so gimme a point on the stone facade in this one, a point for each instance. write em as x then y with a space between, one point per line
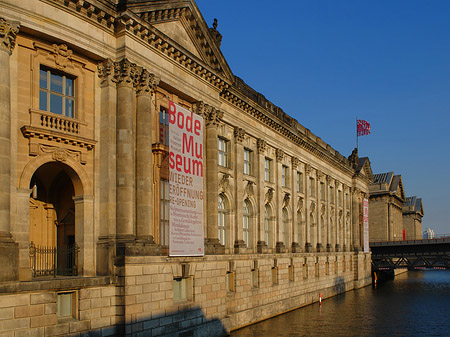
84 102
412 218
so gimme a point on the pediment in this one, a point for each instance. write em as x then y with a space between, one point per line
400 192
182 25
367 170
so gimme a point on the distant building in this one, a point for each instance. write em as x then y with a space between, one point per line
387 196
412 218
428 234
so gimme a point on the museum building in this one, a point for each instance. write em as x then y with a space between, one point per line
89 95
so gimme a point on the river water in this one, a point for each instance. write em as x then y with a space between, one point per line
416 303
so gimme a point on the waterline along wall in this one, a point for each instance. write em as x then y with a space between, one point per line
147 190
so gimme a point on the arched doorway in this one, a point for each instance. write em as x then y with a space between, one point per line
52 220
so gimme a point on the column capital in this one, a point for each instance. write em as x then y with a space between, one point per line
8 34
308 169
126 73
261 145
146 82
239 134
105 69
280 154
295 163
211 115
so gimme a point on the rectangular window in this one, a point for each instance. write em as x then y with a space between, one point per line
274 275
268 169
180 289
340 199
248 161
230 283
223 152
300 182
164 127
322 191
284 176
312 187
291 272
331 194
347 201
56 92
164 212
67 305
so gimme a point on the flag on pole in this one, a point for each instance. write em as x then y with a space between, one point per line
362 128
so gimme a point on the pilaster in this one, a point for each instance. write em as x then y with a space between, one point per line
261 149
280 244
9 255
239 244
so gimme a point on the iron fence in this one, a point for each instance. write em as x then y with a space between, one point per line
54 261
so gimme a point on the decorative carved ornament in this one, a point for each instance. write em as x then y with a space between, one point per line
286 199
126 73
146 83
323 209
249 189
211 115
312 208
224 183
217 37
58 153
8 33
62 55
280 154
269 195
308 169
300 203
261 145
295 162
239 134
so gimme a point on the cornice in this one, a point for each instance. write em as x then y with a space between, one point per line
284 126
140 26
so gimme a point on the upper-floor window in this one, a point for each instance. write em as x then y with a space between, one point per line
299 182
267 220
222 225
248 161
340 199
332 194
284 176
246 225
322 191
268 169
164 212
56 92
223 152
164 127
312 187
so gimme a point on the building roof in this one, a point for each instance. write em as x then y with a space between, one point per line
388 182
413 204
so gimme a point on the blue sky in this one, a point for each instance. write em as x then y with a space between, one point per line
328 62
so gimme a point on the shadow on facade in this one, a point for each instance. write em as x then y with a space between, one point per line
339 285
184 323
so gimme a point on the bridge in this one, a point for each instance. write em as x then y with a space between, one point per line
411 254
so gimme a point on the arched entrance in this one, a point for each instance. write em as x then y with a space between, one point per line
52 220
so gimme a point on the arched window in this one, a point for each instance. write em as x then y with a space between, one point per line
267 219
299 226
246 225
285 227
222 220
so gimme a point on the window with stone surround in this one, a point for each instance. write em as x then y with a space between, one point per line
224 152
164 212
268 169
164 126
299 182
322 191
332 194
56 92
222 217
285 227
248 161
247 225
284 176
312 187
267 220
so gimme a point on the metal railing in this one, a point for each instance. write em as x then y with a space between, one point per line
53 261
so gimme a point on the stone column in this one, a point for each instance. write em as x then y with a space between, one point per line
328 215
125 76
321 213
8 249
308 245
261 149
107 163
280 244
144 166
212 119
239 243
295 222
356 219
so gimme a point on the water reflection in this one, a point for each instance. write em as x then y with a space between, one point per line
414 304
